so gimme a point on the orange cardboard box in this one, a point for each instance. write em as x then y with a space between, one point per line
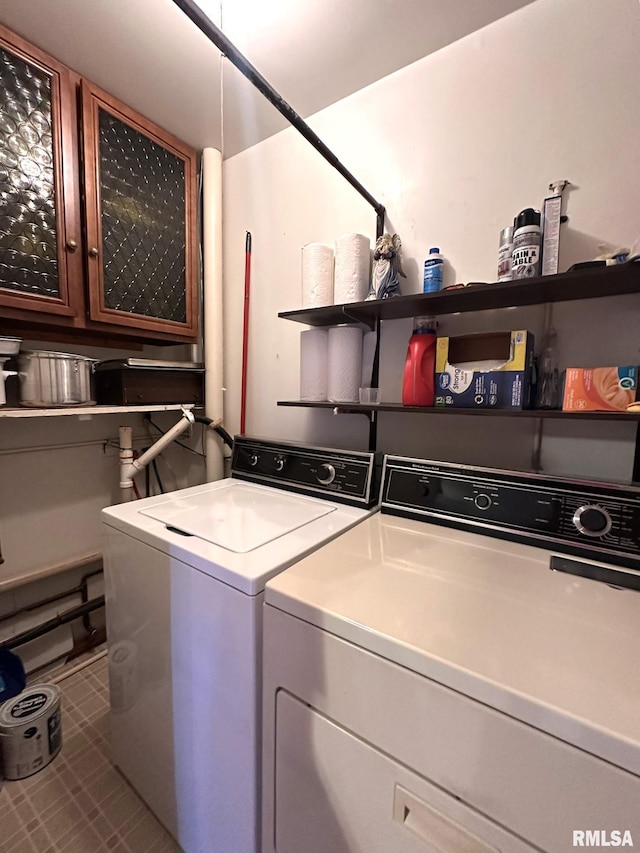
598 389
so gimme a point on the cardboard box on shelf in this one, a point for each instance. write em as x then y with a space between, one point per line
599 389
489 371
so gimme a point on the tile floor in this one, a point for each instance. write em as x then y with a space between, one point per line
80 803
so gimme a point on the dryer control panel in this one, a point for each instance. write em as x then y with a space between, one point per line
599 520
344 476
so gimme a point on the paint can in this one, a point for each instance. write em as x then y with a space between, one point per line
30 731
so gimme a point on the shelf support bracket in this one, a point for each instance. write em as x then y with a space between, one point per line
356 316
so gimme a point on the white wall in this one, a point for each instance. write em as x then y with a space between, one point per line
454 146
57 473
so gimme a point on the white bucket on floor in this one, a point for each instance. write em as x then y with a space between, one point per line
30 731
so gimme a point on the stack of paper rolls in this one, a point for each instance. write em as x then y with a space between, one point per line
352 267
317 275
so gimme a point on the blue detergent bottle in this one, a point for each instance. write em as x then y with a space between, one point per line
432 280
12 675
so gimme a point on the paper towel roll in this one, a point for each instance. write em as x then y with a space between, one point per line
317 275
344 363
368 354
313 364
352 264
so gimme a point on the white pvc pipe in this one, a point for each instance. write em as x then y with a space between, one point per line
129 466
163 442
213 343
126 458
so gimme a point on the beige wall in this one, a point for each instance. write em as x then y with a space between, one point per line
454 146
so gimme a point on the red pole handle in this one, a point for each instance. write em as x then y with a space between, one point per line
245 331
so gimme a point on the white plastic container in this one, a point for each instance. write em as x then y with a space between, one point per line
30 731
432 279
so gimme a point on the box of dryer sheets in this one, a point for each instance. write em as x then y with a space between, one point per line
597 389
488 371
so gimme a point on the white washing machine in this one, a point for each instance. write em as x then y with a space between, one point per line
185 574
459 673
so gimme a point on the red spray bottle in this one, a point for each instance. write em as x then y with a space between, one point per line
418 383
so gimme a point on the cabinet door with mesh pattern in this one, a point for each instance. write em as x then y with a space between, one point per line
40 233
141 219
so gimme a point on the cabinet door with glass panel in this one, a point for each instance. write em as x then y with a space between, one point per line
40 232
140 198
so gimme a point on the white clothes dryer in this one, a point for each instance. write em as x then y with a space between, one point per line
185 574
459 672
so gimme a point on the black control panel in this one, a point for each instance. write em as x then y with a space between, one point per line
344 476
594 519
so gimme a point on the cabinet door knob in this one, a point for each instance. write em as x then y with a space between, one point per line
72 245
94 252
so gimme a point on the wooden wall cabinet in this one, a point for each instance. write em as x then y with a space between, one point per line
97 211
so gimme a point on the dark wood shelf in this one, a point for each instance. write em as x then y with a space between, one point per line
564 287
556 414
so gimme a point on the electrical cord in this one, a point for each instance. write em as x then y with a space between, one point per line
157 473
179 443
216 427
224 435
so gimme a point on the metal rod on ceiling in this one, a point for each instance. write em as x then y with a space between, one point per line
215 35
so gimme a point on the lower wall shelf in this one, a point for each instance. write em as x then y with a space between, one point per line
89 411
359 408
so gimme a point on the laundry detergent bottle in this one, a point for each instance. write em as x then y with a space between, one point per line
418 383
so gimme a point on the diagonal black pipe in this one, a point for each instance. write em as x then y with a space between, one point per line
215 34
61 619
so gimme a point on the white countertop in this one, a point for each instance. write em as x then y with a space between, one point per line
487 618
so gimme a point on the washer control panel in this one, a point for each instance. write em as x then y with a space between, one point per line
341 475
583 516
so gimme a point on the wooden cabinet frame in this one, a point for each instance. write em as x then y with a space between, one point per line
64 118
78 313
93 100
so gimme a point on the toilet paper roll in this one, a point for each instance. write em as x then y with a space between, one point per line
313 364
317 275
368 354
344 364
353 257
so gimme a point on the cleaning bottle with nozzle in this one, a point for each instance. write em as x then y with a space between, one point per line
548 390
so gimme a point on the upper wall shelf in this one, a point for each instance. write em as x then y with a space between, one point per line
582 284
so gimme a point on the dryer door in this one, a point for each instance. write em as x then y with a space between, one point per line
335 792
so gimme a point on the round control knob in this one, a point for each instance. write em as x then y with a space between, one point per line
327 474
253 460
592 520
280 463
482 501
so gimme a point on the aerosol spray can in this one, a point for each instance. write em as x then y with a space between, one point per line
505 251
525 260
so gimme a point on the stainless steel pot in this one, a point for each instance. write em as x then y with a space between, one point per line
55 379
9 346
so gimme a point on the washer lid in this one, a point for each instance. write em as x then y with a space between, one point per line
237 516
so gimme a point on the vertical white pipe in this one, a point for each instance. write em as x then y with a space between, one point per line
126 458
213 349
